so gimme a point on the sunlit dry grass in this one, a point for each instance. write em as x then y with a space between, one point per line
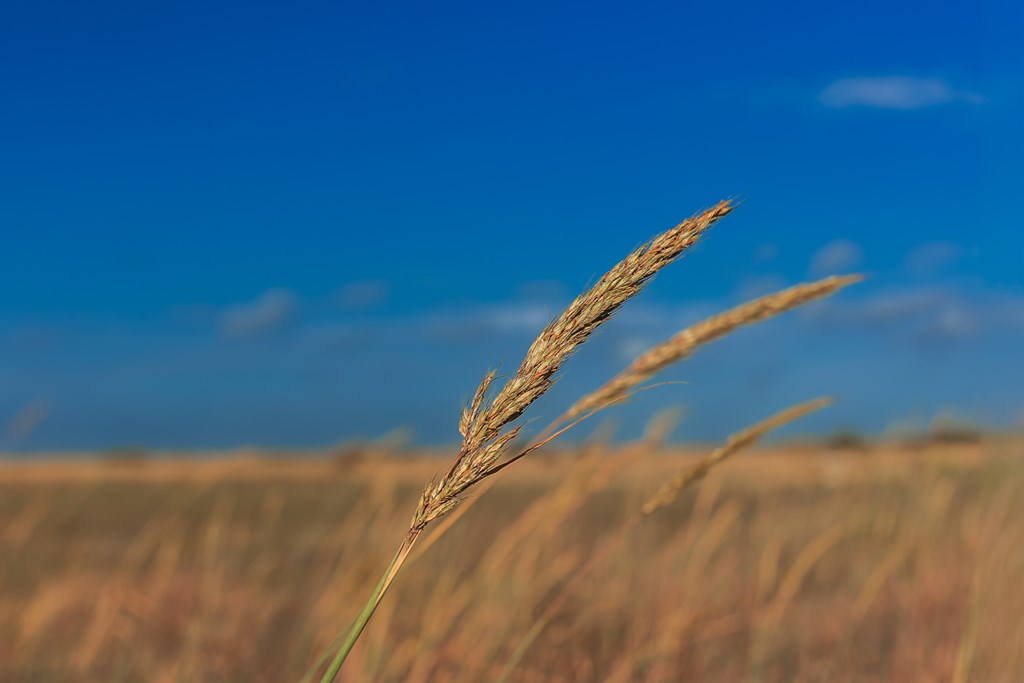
795 564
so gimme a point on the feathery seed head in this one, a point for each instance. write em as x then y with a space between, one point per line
482 426
684 343
743 439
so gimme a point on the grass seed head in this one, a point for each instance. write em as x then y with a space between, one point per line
483 424
683 344
670 491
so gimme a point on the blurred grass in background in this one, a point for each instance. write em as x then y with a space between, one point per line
800 562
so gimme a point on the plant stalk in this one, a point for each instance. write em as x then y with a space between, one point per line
370 607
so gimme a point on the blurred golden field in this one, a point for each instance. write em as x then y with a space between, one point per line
788 563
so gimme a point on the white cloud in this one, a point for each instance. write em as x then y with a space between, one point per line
840 255
527 318
887 351
928 313
892 92
516 317
928 259
886 308
266 313
487 321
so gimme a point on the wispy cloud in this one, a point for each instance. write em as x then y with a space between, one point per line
895 307
835 257
266 313
928 315
888 351
482 322
893 92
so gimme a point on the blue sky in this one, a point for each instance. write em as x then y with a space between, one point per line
297 224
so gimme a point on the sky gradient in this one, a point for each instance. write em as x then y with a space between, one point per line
296 225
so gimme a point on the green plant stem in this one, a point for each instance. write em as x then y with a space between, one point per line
363 619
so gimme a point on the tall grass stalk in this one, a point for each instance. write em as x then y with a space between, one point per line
487 423
679 347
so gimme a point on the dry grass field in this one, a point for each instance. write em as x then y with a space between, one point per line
789 563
